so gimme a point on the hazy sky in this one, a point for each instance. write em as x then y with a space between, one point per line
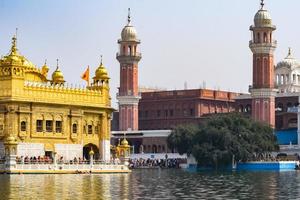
190 40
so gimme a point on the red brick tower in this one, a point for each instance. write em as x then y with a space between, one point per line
262 45
128 96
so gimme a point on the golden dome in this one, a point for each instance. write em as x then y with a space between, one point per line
45 69
124 142
57 76
14 58
101 72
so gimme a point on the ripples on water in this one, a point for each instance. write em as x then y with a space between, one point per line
154 184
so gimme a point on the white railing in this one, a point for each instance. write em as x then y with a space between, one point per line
68 166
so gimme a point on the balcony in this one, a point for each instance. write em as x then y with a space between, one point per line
136 54
273 43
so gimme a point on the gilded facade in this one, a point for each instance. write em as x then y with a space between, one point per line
47 116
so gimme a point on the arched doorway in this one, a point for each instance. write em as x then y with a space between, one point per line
86 150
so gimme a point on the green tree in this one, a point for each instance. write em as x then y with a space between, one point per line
220 137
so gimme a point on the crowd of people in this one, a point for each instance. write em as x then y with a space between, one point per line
155 163
48 160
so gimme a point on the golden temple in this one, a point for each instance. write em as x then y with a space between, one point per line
41 116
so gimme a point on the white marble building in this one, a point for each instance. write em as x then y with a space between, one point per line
287 73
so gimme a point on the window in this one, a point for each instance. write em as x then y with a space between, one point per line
58 126
171 113
158 113
166 113
39 125
90 129
74 128
49 125
192 112
23 126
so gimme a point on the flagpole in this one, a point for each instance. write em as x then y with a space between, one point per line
89 76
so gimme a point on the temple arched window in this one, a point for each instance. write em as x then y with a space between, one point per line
23 126
58 126
39 125
49 125
90 129
258 37
74 128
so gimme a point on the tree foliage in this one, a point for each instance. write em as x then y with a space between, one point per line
216 140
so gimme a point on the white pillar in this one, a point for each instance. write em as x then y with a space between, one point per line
105 150
91 160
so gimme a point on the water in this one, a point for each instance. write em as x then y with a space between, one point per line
153 184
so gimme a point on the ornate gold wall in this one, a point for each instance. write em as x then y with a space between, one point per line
27 96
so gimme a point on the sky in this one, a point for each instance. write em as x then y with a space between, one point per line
192 41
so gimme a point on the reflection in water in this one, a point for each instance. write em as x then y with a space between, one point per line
153 183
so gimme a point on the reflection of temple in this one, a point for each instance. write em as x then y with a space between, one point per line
46 115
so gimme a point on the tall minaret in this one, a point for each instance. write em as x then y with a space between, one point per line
128 96
262 45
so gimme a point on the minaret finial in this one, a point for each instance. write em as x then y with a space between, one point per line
57 63
262 4
128 18
290 51
101 59
45 62
16 33
14 45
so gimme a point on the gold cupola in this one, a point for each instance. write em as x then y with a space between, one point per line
45 69
14 58
57 76
101 73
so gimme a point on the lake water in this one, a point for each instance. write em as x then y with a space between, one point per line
154 184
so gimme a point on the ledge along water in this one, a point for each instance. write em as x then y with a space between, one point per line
62 168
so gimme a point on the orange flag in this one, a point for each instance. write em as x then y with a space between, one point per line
86 75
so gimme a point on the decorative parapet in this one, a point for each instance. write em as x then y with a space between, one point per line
59 94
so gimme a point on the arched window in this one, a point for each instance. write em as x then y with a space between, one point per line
154 148
58 126
39 125
90 129
279 107
241 108
258 38
49 125
23 126
265 37
248 108
74 128
130 50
